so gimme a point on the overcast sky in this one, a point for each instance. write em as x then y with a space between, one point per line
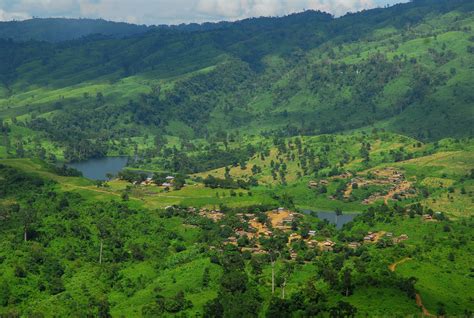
175 11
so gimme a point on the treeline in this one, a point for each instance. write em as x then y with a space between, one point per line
207 159
229 183
17 182
57 232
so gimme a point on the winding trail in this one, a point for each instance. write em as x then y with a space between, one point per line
419 302
393 267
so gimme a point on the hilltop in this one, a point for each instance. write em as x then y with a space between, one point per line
61 29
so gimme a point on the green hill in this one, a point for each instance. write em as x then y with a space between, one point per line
58 30
406 69
300 166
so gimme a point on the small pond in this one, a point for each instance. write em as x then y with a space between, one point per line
332 217
97 169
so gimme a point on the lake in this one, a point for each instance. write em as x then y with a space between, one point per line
331 217
97 169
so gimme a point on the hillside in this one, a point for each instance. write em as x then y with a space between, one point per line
72 247
296 166
58 30
405 69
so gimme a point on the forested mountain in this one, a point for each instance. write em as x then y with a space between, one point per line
57 29
406 69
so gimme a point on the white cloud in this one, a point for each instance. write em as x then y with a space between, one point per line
238 9
175 11
9 16
40 7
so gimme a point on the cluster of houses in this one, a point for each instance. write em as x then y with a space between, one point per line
431 218
282 219
215 215
149 181
399 187
169 182
314 184
372 237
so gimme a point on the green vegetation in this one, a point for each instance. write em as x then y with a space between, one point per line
237 135
71 253
94 96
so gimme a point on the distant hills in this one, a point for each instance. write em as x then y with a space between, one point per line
63 29
57 30
407 69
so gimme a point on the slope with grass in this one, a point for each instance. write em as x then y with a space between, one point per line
405 68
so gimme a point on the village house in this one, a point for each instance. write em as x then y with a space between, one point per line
253 250
231 240
328 246
354 245
312 184
147 181
294 237
289 219
370 237
401 238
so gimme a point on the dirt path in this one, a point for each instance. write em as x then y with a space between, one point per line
348 191
419 302
404 186
393 266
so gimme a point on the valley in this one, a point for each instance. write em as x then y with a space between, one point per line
297 166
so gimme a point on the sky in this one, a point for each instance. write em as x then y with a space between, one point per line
176 11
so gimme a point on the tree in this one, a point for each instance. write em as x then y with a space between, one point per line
278 308
179 182
338 213
364 152
213 309
99 98
104 228
28 217
20 151
342 309
441 311
103 307
347 283
4 293
206 277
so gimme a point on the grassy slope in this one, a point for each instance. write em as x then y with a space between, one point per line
39 87
451 162
186 276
